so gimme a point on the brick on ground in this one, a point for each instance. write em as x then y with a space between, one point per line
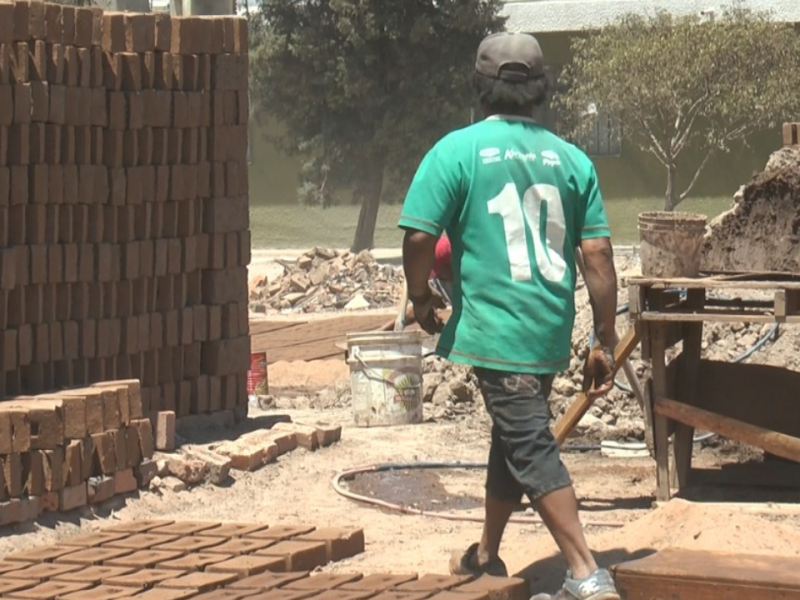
340 543
218 466
307 436
165 431
250 451
299 556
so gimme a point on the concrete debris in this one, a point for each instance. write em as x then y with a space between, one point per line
189 471
326 280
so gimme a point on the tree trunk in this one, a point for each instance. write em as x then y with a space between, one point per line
671 197
369 192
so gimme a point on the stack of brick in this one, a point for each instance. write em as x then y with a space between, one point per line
63 450
123 204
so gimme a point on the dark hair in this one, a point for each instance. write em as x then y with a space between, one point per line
505 97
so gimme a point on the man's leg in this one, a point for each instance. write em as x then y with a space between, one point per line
521 415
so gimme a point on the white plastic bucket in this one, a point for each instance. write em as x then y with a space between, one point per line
386 377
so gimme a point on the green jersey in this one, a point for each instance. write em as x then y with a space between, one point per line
516 200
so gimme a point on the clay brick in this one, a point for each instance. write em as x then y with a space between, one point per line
203 582
245 566
340 595
144 579
166 594
45 571
137 526
307 436
101 592
224 215
143 559
92 540
237 547
125 482
84 25
105 452
241 44
145 472
162 32
268 581
495 588
325 581
196 561
233 530
340 543
114 33
283 532
46 554
165 431
94 575
10 514
73 497
20 425
299 556
378 582
53 466
189 544
434 583
50 590
142 541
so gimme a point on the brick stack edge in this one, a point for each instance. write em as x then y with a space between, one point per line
124 224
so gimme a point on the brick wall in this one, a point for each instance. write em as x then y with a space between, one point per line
123 204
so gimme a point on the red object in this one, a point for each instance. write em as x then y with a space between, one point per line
443 261
257 375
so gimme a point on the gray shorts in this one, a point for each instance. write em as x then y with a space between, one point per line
524 457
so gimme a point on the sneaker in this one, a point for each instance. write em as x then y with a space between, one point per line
598 586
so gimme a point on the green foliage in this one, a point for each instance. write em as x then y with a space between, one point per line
686 82
365 87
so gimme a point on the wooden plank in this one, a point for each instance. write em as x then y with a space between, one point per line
583 402
259 327
779 444
675 574
787 282
718 316
660 424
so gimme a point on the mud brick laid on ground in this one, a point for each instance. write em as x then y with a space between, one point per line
143 579
94 575
268 581
378 582
299 556
101 592
50 590
307 436
245 566
45 571
190 544
340 543
93 556
143 559
282 532
8 586
233 530
239 546
92 540
329 581
166 594
431 583
249 452
197 561
46 554
137 526
141 541
459 595
342 595
497 588
200 581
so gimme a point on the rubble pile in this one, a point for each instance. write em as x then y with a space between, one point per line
327 280
760 232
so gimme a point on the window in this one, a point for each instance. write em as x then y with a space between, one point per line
604 138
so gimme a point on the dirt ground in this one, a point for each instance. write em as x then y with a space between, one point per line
616 503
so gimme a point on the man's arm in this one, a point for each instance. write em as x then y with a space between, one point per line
601 281
419 250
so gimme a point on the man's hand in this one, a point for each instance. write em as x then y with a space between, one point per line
426 309
598 371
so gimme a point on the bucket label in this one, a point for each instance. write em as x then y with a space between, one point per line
406 384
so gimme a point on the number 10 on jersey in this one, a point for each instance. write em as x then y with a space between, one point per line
548 238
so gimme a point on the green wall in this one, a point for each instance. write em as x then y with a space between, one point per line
633 174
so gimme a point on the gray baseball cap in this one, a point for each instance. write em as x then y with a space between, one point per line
520 52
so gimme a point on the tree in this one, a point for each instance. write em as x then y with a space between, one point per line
364 87
686 83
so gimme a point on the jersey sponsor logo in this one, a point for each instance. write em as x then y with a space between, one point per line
490 155
521 156
551 158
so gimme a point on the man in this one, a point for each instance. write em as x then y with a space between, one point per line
516 201
441 278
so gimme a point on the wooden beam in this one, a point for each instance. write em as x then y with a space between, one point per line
578 408
779 444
